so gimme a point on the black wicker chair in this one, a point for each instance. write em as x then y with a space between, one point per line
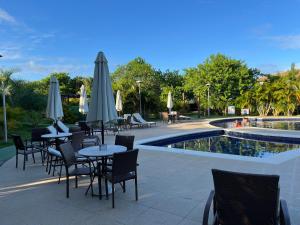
38 142
126 141
84 127
70 161
246 199
124 168
24 149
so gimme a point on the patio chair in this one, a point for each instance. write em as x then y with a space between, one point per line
84 127
79 140
140 119
124 140
124 168
24 149
63 127
246 199
70 161
38 142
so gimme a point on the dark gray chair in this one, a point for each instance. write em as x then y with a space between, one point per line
124 168
72 165
246 199
124 140
24 149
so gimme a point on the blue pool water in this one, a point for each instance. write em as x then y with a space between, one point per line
231 145
273 124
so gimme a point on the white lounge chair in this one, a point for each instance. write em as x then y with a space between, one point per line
63 127
140 119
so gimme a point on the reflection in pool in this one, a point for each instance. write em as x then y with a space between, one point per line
234 146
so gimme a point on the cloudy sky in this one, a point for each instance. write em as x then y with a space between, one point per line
39 37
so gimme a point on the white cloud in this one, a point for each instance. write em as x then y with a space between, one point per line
286 41
6 17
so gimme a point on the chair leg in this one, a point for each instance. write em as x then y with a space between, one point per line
67 186
113 195
106 188
24 161
60 173
33 157
50 164
54 166
42 157
76 181
100 187
124 186
47 163
136 189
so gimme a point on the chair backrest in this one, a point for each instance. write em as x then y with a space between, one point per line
36 134
124 162
126 116
128 119
77 139
63 127
52 129
84 127
18 142
68 154
139 118
124 140
246 199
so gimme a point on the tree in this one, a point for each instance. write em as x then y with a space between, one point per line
125 79
228 78
5 79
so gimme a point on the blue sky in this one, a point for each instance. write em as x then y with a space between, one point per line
40 37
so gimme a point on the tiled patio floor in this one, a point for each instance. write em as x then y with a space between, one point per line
173 189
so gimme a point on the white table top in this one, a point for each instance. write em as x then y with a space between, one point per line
102 150
59 135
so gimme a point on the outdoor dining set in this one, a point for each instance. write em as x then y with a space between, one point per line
82 154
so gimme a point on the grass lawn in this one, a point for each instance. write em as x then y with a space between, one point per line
6 153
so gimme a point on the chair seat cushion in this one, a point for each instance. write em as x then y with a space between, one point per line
54 152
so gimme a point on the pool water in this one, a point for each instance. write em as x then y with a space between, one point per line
234 146
283 125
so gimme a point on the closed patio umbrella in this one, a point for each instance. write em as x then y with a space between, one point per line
54 106
102 105
170 102
83 104
119 105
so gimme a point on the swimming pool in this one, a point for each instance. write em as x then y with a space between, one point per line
234 146
220 141
283 124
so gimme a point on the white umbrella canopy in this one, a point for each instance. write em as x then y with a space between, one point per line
102 105
83 103
54 106
119 105
170 101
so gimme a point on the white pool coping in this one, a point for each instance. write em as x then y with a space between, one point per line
276 159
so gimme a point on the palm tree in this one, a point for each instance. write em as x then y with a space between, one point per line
5 78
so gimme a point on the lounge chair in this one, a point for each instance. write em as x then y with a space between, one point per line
63 127
130 121
246 199
140 119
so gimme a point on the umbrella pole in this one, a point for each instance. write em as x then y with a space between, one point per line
102 131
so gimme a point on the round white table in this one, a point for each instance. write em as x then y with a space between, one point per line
56 137
101 152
